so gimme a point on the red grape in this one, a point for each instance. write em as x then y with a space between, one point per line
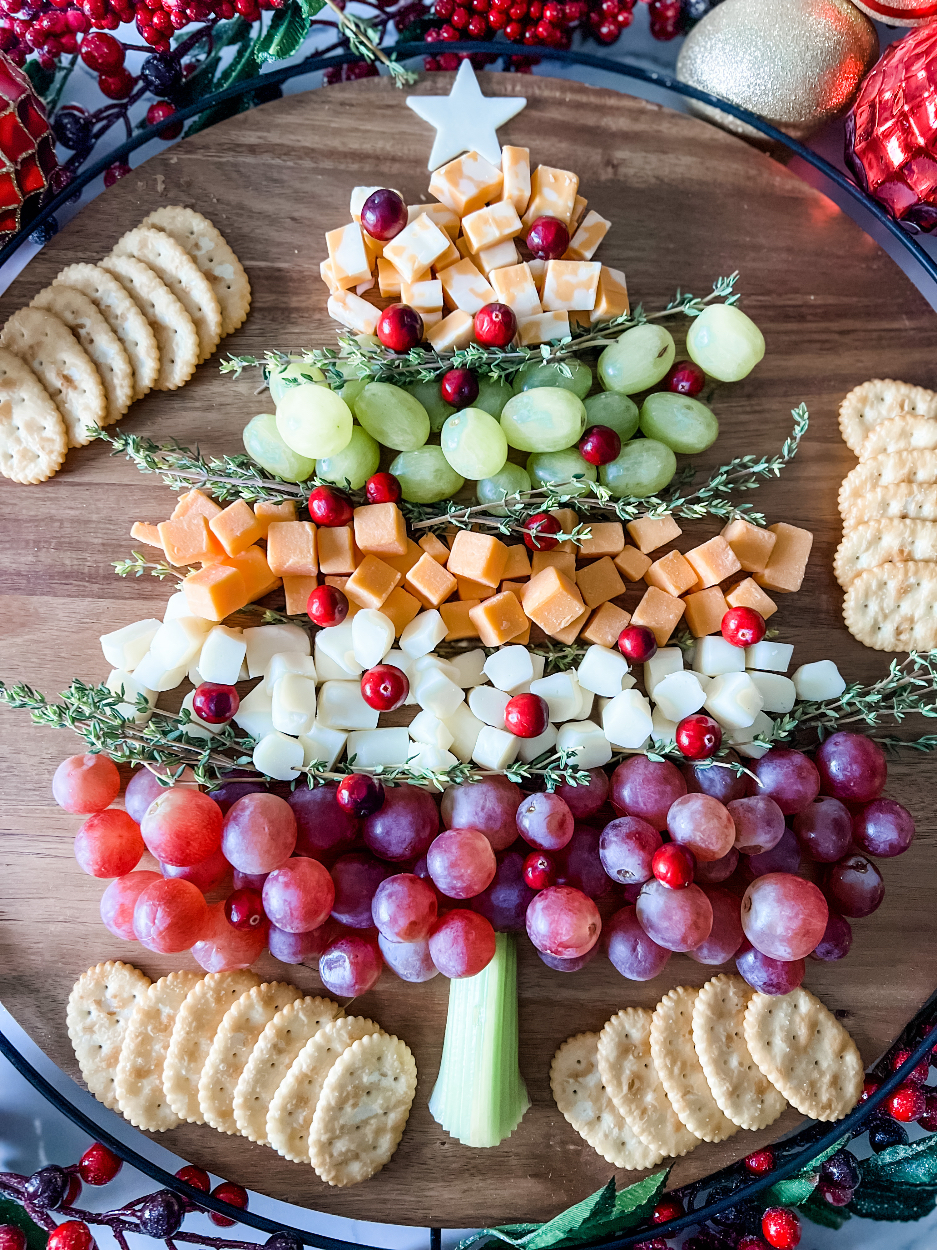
259 833
86 783
836 940
721 783
108 844
580 865
674 865
883 828
248 880
461 863
785 857
404 908
182 827
789 778
207 875
405 826
563 921
568 965
323 827
701 824
851 767
383 214
228 794
759 824
545 821
119 900
214 703
854 886
169 916
630 950
142 789
351 965
726 935
766 975
411 961
585 801
716 870
784 916
824 830
646 788
679 920
222 948
489 805
298 896
356 877
506 900
301 948
462 943
626 848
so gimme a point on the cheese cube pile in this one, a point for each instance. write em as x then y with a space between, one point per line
461 252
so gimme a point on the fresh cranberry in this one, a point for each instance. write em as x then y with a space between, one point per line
918 1075
74 1190
527 716
760 1162
98 1165
384 687
685 378
743 627
668 1209
161 111
698 737
400 327
673 865
327 606
72 1235
382 488
906 1104
383 214
234 1195
539 870
329 507
215 703
245 909
780 1228
539 530
102 53
548 238
495 324
751 1242
459 387
114 173
599 445
360 795
637 644
197 1177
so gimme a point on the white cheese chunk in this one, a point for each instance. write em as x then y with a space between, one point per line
222 654
821 680
255 713
592 748
679 695
373 748
294 704
465 728
531 748
488 705
495 749
734 700
602 671
627 720
278 756
266 641
126 647
714 656
773 657
322 745
509 668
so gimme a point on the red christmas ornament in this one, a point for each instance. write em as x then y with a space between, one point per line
27 152
899 12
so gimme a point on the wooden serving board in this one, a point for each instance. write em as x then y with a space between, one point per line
688 204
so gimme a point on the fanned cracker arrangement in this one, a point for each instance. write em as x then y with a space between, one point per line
103 335
250 1058
701 1066
887 560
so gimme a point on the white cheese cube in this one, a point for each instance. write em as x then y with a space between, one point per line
570 285
465 728
328 669
278 756
666 661
322 745
761 725
289 662
430 731
437 693
439 215
451 333
125 648
539 662
488 705
414 249
778 692
662 729
123 683
155 674
422 634
679 695
704 679
465 287
197 728
347 255
178 642
337 642
372 748
433 759
602 671
734 700
586 700
592 747
818 681
353 312
470 666
372 636
433 661
714 656
255 713
495 748
266 641
515 287
561 691
342 706
221 655
509 667
627 720
774 657
396 657
501 256
178 605
531 748
294 704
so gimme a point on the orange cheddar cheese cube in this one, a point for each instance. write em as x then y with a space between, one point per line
608 539
469 589
705 610
514 286
188 540
565 561
605 625
503 256
388 279
552 194
416 247
337 551
457 620
478 557
611 298
215 591
380 530
522 639
748 594
347 255
498 619
659 612
297 591
543 328
672 573
466 183
451 333
787 563
144 532
632 563
570 632
194 501
599 582
650 532
487 227
371 582
752 544
514 587
430 581
439 215
713 561
552 601
403 564
515 172
267 512
253 567
353 312
517 565
569 520
589 234
400 608
464 286
433 546
237 528
570 285
291 548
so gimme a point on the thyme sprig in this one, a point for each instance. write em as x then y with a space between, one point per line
136 565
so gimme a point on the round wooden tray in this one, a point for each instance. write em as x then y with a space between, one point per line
688 204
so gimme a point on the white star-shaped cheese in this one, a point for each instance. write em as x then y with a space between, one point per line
465 120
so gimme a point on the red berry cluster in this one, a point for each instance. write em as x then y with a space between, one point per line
608 18
533 23
43 28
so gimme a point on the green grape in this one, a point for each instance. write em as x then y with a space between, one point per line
351 390
683 424
425 475
637 361
547 418
355 463
429 395
474 444
314 421
536 374
552 467
617 412
393 417
263 443
643 467
724 342
493 490
493 394
280 377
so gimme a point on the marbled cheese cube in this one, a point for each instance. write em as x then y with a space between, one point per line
538 271
466 183
430 319
588 236
464 287
415 248
439 215
611 299
543 328
502 256
579 208
570 285
327 274
425 297
388 279
362 287
350 263
514 286
487 227
354 312
552 194
451 256
451 332
515 169
373 247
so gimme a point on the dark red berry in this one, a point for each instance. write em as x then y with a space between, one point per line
102 53
360 795
329 507
98 1165
382 488
12 1237
539 870
906 1104
161 111
385 687
72 1235
918 1075
400 327
459 387
234 1195
637 644
868 1089
539 530
527 716
668 1209
698 737
599 445
929 1119
197 1177
743 627
835 1195
245 909
74 1190
674 866
116 86
780 1228
685 378
327 606
214 703
548 238
495 324
760 1162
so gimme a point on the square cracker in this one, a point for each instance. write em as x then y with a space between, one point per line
101 1003
891 540
33 442
216 259
894 607
680 1070
879 400
138 1082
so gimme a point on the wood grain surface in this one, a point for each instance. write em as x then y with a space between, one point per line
688 203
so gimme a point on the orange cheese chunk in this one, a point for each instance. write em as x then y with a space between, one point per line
569 633
466 183
188 540
605 625
371 582
589 234
487 227
416 247
253 567
787 563
353 312
347 255
498 619
611 298
659 612
648 533
452 333
432 545
400 608
599 582
215 591
608 539
570 285
579 208
388 279
439 215
752 544
515 287
552 601
568 519
552 194
430 581
327 274
291 548
336 549
457 620
565 561
267 512
297 591
515 172
381 530
236 528
503 256
672 573
479 557
465 287
748 594
713 561
517 564
514 587
705 610
144 532
403 564
194 501
543 328
632 563
469 589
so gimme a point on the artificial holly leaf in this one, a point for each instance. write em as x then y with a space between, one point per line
12 1213
915 1164
556 1231
284 36
239 68
793 1191
41 79
900 1203
820 1212
311 7
632 1206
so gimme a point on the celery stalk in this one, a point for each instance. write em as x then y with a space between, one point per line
480 1096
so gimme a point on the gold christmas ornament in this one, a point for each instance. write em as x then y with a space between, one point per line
796 63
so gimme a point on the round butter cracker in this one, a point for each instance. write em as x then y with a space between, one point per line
880 400
100 1006
680 1070
33 441
894 607
902 433
217 261
138 1082
176 336
888 541
125 317
901 501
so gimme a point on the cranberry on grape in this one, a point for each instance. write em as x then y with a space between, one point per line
674 866
259 833
854 886
182 827
169 916
495 325
411 961
400 327
539 530
244 909
600 445
684 378
836 940
404 908
461 863
585 801
852 767
630 951
563 921
548 238
381 488
119 900
72 1235
883 828
462 943
726 936
86 783
215 703
784 916
637 644
222 948
384 687
759 824
539 870
405 825
743 627
788 777
504 903
329 507
383 214
527 716
545 821
359 794
767 975
356 878
324 828
108 844
98 1165
646 788
234 1196
698 737
489 805
626 849
679 920
459 387
702 825
780 1228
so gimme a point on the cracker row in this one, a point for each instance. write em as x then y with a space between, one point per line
216 259
176 336
138 1081
680 1070
902 433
